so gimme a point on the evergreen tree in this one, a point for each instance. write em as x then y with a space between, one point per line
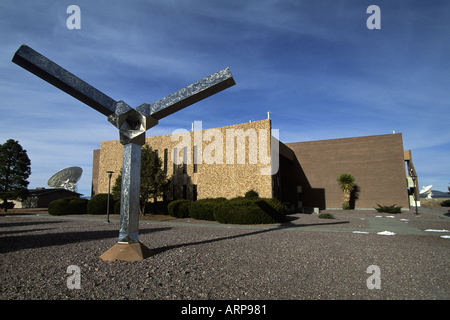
15 168
154 181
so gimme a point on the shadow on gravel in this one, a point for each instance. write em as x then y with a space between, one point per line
16 243
28 223
167 248
285 225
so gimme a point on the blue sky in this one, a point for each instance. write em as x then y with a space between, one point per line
313 64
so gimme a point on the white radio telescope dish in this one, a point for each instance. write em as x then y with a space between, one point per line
427 190
66 178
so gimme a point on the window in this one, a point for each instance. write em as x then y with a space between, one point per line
165 160
184 160
194 196
175 160
195 159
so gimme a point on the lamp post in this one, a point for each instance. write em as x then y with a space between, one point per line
109 188
414 177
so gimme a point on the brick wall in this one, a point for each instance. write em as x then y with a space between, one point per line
377 163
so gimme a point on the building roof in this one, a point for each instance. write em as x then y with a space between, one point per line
42 191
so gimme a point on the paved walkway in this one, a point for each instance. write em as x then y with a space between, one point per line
400 225
393 225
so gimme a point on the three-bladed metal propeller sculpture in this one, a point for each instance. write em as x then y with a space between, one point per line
132 125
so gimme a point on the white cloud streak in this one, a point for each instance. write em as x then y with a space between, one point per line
313 60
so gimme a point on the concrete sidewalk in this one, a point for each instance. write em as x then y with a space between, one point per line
400 225
393 225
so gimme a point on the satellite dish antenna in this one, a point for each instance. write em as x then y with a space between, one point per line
427 190
66 178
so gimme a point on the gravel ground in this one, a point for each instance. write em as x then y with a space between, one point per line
211 262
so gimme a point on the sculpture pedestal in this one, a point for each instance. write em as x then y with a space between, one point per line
127 252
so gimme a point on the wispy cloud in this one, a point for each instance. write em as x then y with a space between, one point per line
314 64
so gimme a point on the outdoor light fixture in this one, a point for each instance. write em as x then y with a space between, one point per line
414 177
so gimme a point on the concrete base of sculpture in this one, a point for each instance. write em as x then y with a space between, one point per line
127 252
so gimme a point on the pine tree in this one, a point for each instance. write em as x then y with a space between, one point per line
154 181
15 168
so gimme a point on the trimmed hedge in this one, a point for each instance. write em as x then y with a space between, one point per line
179 208
65 206
275 207
159 207
204 209
98 204
9 205
251 195
245 211
445 203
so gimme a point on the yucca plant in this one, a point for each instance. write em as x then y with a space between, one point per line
346 183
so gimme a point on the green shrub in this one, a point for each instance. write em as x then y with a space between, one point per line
445 203
277 206
346 206
204 209
389 209
65 206
245 211
98 204
179 208
159 207
326 216
9 205
252 194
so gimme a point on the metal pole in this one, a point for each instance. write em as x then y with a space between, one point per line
415 194
129 207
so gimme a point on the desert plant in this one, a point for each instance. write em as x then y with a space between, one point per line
389 209
65 206
326 216
179 208
98 204
346 183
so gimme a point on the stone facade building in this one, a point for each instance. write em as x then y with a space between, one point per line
229 161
